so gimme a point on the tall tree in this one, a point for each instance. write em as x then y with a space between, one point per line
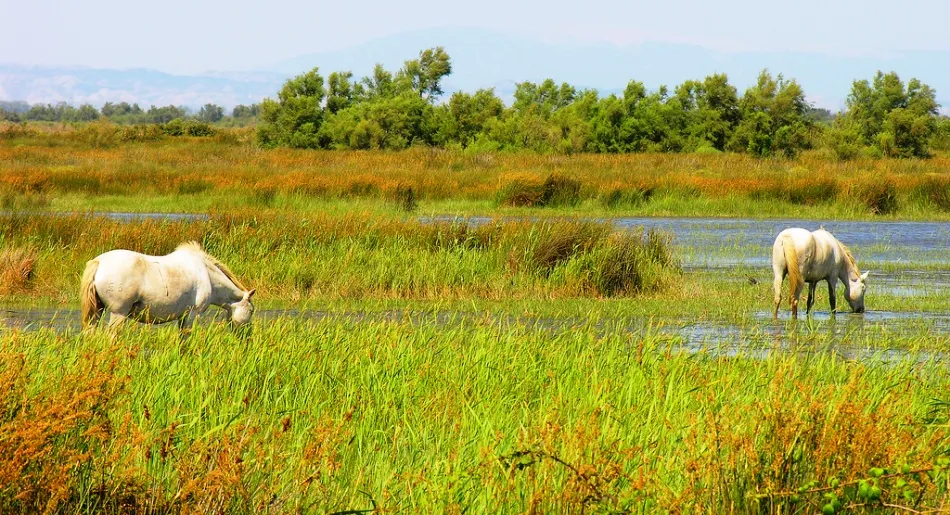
340 91
294 119
211 113
773 118
899 121
424 75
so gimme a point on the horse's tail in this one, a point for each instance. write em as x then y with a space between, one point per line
92 306
795 281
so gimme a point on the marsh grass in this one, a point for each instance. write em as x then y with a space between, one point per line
404 197
556 190
350 256
343 415
880 197
62 161
552 244
935 191
620 197
17 269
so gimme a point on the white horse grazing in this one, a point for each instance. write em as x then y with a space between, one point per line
159 289
811 257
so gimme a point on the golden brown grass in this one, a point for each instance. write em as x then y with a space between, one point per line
61 161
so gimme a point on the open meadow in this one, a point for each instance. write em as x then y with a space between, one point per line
441 331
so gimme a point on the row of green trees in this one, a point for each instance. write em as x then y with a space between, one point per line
392 110
123 113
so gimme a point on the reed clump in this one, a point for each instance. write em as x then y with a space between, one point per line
936 191
553 244
880 197
556 190
17 269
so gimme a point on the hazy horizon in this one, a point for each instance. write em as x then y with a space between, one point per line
194 37
823 45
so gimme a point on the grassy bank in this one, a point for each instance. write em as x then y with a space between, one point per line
391 416
78 168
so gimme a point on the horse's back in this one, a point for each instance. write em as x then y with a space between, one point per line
800 238
120 263
825 239
816 252
165 285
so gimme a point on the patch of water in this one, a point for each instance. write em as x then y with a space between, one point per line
120 216
760 340
880 242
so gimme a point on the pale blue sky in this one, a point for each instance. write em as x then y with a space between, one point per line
189 36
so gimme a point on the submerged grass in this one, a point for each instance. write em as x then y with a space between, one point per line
381 416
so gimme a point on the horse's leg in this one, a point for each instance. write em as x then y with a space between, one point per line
187 321
794 294
832 299
811 297
777 285
185 324
116 321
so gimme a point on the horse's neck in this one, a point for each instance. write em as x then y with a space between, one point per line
848 270
223 289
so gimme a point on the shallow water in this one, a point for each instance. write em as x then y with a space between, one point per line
120 216
705 244
837 334
735 241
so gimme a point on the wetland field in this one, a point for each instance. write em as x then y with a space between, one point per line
446 332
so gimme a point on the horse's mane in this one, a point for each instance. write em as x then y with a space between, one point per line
194 246
849 257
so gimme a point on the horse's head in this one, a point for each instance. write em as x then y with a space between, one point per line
857 286
242 310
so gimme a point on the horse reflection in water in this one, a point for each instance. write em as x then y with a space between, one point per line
812 257
157 289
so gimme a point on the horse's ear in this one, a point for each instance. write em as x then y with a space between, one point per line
864 276
251 293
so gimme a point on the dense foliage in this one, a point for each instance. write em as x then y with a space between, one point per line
884 117
397 110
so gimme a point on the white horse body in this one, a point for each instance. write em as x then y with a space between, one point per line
811 257
159 289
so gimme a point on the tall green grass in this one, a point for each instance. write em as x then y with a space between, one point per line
342 415
360 256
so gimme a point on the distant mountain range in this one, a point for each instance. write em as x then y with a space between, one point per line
480 58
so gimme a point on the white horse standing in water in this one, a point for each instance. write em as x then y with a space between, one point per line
812 257
159 289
